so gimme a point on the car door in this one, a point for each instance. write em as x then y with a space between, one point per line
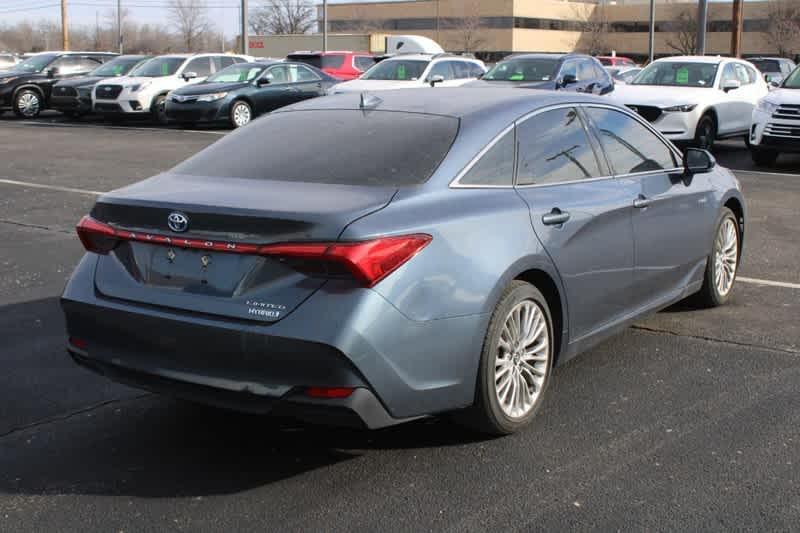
277 92
308 83
732 114
672 222
581 215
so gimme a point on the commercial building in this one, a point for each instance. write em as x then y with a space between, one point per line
495 28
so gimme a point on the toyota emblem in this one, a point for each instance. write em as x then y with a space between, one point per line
178 222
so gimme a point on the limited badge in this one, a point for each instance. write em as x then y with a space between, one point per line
205 261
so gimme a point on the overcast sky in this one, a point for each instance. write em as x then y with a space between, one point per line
223 13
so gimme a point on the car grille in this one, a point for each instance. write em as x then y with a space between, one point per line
180 99
783 130
787 111
65 91
108 92
648 112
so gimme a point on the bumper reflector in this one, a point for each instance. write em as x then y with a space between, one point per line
329 392
78 343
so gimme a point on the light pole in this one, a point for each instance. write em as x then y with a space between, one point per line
702 22
324 25
245 40
119 25
652 37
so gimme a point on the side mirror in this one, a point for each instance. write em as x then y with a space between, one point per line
260 82
731 85
568 79
52 72
698 161
767 78
189 76
438 78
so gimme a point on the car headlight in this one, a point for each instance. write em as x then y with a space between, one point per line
213 97
137 86
680 108
767 106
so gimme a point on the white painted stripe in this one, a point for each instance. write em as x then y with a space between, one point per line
50 187
782 174
756 281
130 128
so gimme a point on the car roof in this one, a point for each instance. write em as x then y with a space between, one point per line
457 102
711 60
321 53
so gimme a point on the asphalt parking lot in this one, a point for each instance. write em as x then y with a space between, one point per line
688 421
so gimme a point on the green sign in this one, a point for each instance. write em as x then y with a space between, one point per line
682 75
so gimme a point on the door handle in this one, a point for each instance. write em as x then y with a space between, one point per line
555 217
641 201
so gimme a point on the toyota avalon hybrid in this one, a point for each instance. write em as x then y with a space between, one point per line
440 252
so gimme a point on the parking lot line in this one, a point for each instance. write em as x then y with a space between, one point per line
770 283
130 128
50 187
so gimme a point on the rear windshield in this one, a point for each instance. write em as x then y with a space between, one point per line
349 147
766 65
333 61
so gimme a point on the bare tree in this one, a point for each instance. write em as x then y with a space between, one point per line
282 17
190 20
783 26
684 30
467 36
593 24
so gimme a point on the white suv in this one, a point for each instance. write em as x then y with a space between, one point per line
696 99
145 88
415 70
776 122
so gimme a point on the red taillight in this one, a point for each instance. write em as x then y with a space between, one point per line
329 392
96 237
368 261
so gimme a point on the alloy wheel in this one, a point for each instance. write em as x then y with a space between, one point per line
726 256
28 104
241 115
522 359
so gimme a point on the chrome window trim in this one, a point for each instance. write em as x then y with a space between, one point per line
455 182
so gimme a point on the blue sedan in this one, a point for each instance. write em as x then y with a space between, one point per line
363 259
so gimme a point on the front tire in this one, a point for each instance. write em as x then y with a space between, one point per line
723 262
706 132
158 110
27 103
764 158
515 364
241 114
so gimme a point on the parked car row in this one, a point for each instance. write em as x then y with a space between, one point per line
690 100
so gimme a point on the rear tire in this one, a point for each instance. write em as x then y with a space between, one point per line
515 364
705 133
158 111
764 158
722 264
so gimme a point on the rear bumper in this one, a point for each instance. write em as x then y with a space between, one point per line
336 338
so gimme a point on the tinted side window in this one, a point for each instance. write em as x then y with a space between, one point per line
305 74
200 66
223 62
553 147
475 70
461 69
277 74
495 167
629 146
585 70
571 68
363 63
741 74
728 74
442 68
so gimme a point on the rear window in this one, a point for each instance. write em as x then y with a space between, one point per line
332 61
381 148
766 65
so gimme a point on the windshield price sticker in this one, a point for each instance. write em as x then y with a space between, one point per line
682 76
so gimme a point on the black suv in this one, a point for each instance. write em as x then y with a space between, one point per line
73 96
26 88
557 72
